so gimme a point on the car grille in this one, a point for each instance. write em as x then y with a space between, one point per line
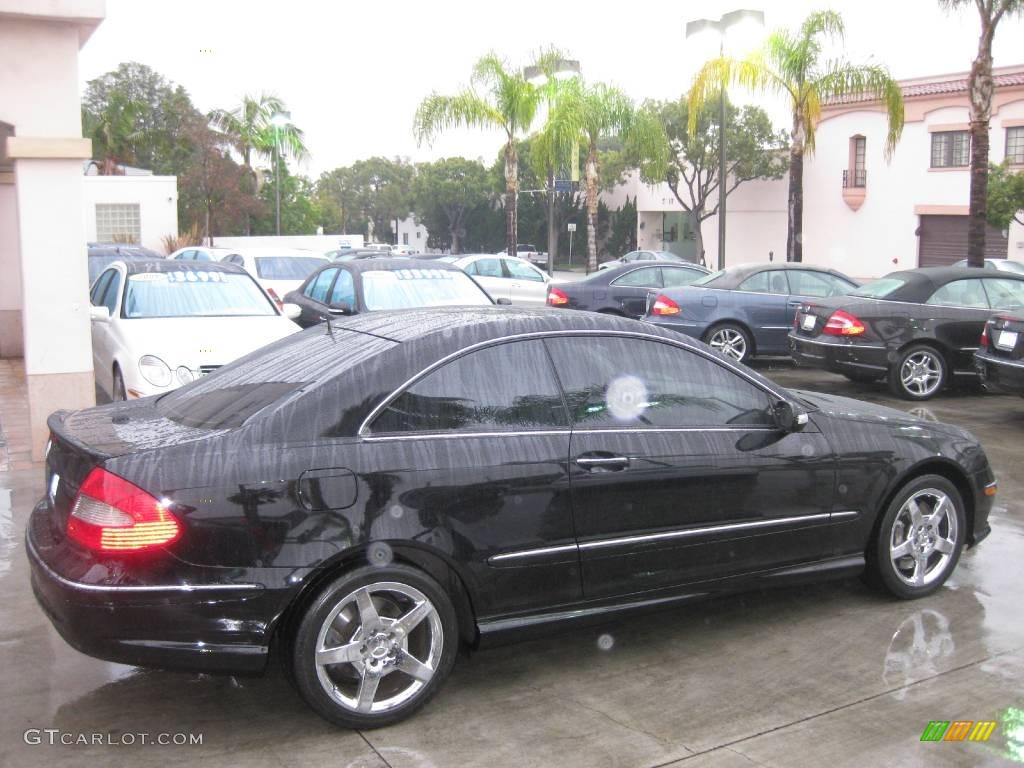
205 369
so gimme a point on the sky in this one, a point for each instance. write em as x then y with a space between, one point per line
353 74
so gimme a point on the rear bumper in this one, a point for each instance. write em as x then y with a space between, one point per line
1000 373
203 627
839 356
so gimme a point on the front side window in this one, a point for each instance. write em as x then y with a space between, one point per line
507 387
318 286
647 277
194 293
817 284
1005 294
96 294
960 293
111 292
951 149
1015 145
520 271
620 382
344 290
769 281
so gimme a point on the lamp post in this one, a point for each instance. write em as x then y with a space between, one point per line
279 120
730 19
562 69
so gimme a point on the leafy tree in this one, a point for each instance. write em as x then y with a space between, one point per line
1005 196
300 215
979 90
754 151
509 104
339 205
445 195
382 193
622 237
791 65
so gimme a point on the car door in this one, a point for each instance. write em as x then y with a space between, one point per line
628 292
957 312
765 301
527 284
677 474
100 366
104 332
492 277
478 446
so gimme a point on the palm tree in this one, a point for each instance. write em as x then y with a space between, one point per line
249 129
979 90
509 104
792 65
586 114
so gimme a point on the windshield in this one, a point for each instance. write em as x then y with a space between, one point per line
287 267
709 278
880 289
408 288
198 293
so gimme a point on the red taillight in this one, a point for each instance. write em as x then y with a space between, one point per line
112 515
984 335
556 297
273 294
843 324
663 305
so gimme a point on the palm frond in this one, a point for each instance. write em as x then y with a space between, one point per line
753 73
843 79
439 113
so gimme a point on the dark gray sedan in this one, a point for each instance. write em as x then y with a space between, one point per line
748 309
623 290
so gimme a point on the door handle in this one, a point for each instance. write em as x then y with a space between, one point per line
603 463
795 303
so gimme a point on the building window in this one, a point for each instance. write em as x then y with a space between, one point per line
418 234
118 223
405 238
856 174
951 149
1015 145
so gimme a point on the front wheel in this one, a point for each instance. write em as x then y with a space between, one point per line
918 374
375 646
919 539
731 340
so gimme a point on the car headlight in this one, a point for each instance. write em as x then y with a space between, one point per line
184 375
155 371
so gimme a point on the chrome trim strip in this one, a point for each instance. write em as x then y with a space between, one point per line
103 589
847 515
362 431
526 553
560 432
690 532
1000 361
834 344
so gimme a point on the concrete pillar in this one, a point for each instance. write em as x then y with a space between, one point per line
54 277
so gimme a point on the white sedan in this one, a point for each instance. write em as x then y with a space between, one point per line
278 270
160 324
504 277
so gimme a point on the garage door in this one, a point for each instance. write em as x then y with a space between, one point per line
944 241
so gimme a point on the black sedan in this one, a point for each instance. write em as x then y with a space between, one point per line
366 285
102 255
623 290
918 328
1000 360
366 497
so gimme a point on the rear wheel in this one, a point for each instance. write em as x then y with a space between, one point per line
375 646
119 392
919 539
731 340
918 374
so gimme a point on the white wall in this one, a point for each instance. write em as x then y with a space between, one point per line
417 233
156 196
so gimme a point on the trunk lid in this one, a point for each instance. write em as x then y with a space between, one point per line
1005 337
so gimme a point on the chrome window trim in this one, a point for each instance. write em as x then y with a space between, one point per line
561 432
363 431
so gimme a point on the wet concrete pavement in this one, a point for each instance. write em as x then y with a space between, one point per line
830 674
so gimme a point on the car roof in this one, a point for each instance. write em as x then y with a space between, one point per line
736 274
920 283
266 250
175 265
389 265
122 250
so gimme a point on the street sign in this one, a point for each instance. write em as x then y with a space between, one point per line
563 186
572 226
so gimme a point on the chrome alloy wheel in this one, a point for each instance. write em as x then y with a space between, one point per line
921 373
378 647
729 342
924 537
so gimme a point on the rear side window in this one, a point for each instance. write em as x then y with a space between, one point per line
806 283
1005 294
486 268
678 276
648 277
344 290
960 293
769 281
506 387
520 271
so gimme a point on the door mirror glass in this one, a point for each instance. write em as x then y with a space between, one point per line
341 308
787 417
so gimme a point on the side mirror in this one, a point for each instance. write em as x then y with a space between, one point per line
291 311
99 313
503 301
788 418
341 308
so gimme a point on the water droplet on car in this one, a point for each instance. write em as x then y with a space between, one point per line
379 553
807 450
626 398
396 511
605 642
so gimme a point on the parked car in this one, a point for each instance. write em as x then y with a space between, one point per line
278 270
366 285
201 253
364 500
529 252
1000 359
504 277
102 255
746 310
1001 265
633 256
624 290
918 328
159 324
354 254
404 250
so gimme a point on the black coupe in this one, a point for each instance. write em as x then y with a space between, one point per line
1000 360
365 497
623 290
919 327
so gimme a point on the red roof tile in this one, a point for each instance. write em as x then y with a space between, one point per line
956 85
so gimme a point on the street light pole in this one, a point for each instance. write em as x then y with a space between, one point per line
278 121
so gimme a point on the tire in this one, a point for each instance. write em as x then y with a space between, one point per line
119 394
731 340
863 377
920 373
931 547
400 671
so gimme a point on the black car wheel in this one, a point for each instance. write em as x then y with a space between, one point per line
374 646
863 377
919 374
919 539
731 340
119 392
